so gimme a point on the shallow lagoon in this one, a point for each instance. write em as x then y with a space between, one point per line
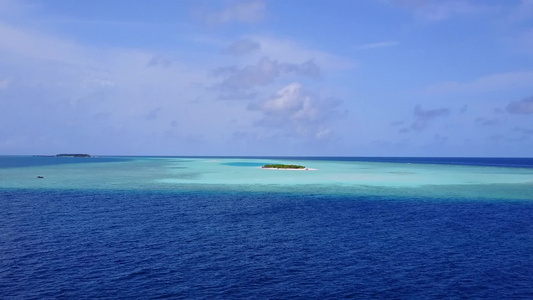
364 178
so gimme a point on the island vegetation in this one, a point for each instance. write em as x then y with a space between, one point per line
282 166
73 155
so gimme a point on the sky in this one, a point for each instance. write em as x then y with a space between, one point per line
267 77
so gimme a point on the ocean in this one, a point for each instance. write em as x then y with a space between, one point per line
224 228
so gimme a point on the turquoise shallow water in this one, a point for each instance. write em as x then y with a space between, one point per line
363 178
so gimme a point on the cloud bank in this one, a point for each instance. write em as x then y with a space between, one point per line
422 118
238 81
524 106
242 47
294 109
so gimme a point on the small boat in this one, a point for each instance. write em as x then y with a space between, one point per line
40 177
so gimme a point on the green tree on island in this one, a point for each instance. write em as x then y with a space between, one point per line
282 166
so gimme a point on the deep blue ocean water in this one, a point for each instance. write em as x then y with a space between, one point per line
123 244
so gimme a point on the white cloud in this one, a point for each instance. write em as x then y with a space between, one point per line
495 82
236 80
243 47
423 117
287 101
523 12
40 46
246 12
4 84
293 52
13 9
293 109
378 45
524 41
74 92
159 60
487 122
524 106
439 10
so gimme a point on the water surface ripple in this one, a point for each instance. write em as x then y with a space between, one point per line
83 244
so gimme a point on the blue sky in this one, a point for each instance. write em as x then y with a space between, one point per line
265 77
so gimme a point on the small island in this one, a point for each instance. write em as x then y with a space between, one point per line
73 155
282 166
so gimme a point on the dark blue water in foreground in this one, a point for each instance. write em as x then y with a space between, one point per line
207 245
